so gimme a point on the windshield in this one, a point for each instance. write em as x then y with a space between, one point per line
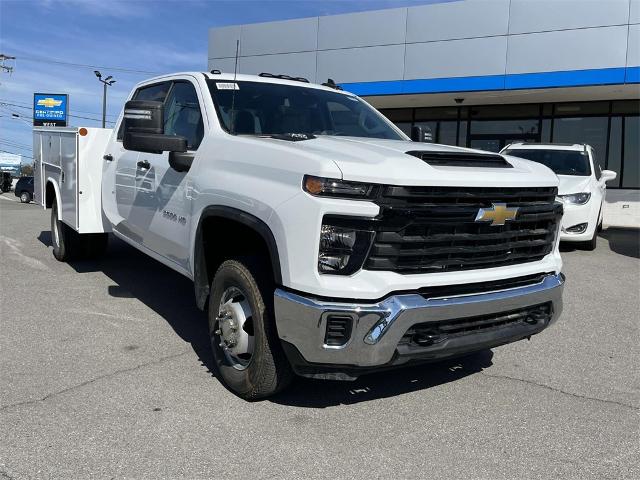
562 162
277 109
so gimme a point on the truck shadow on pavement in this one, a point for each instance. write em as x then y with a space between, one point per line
171 296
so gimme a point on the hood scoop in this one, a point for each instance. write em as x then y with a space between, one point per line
461 159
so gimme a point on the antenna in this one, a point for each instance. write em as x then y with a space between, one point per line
233 94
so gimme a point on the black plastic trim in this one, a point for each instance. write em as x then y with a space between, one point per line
200 278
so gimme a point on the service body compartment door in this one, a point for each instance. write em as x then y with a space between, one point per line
68 145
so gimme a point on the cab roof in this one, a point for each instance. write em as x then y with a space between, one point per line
229 77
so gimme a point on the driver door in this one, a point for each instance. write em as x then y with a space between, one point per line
161 211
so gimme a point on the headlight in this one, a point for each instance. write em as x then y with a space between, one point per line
576 198
331 187
342 249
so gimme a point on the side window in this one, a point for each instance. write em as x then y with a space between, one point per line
157 92
182 115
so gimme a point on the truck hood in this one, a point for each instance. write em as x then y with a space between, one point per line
573 184
386 161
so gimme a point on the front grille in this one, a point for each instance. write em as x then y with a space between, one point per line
434 229
431 333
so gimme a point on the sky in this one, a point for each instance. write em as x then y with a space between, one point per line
130 40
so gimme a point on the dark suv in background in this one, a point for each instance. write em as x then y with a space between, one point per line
24 189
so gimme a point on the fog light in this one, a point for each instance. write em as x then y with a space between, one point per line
579 228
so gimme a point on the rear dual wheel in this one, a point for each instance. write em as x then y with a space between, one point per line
70 245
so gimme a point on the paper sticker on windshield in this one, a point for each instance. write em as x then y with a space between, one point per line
227 86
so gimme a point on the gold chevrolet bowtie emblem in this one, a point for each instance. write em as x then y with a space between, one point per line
49 102
498 214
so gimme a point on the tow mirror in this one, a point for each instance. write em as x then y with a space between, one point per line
144 129
608 175
419 134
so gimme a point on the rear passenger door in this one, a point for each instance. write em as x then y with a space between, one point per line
161 210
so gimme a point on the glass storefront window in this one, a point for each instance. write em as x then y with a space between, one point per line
614 160
491 127
462 137
626 106
404 126
589 130
437 113
447 134
429 127
398 114
505 127
584 108
631 165
545 137
505 111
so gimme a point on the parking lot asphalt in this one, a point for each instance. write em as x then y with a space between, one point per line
105 373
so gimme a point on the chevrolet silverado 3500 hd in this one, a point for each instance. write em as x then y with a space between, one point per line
320 240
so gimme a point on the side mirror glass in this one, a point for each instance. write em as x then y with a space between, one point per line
608 175
144 129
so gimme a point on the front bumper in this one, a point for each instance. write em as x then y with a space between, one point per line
575 215
378 329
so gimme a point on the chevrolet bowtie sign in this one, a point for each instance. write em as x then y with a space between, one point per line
498 214
50 109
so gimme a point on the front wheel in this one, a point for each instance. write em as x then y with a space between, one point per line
246 348
25 197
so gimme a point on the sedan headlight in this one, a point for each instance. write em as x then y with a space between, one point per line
331 187
342 249
576 198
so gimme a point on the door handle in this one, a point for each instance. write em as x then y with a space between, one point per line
108 157
144 164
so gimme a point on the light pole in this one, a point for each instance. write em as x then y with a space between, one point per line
107 82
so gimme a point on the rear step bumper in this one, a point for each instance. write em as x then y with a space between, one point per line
341 340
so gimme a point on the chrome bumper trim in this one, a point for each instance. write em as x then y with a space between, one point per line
378 327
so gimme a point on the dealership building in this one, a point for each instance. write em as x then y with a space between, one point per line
476 73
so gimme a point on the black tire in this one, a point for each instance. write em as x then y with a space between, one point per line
63 238
25 197
268 370
70 245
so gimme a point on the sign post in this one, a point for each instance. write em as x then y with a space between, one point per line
50 109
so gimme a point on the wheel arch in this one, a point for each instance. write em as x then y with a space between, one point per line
52 194
202 271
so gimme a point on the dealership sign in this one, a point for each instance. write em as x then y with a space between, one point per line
10 162
50 109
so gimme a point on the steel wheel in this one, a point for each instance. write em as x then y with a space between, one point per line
55 229
234 328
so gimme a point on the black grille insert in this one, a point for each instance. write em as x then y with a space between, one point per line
462 159
427 334
433 229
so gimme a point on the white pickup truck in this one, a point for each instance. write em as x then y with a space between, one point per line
321 241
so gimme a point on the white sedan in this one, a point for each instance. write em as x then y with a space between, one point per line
582 186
